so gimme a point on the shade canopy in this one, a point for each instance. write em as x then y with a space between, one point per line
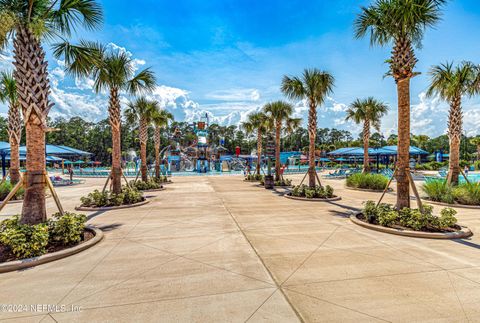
78 162
383 151
56 150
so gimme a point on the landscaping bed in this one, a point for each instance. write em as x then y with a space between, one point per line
367 182
129 197
411 222
305 193
23 245
253 178
281 183
463 195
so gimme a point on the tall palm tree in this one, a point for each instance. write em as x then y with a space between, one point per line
160 120
476 141
313 86
112 71
141 112
8 94
402 24
257 122
451 84
279 115
369 112
27 24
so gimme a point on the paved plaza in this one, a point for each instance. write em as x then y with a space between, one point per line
217 249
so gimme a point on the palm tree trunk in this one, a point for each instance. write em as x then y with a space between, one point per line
278 128
455 136
143 148
259 151
115 123
312 133
366 138
31 77
156 139
478 152
403 154
14 135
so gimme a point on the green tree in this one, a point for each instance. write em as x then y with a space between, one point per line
8 94
142 112
160 120
369 112
112 71
279 116
27 24
314 86
257 123
400 23
451 84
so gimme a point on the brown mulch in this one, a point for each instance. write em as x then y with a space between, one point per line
6 254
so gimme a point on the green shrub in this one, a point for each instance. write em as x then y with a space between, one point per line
6 187
317 192
101 199
433 165
67 229
447 217
24 240
143 186
464 193
386 215
283 182
161 179
367 181
254 177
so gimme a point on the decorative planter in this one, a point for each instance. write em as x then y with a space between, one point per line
154 190
35 261
331 199
108 208
366 189
463 233
463 206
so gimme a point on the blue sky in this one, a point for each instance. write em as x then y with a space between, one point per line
227 58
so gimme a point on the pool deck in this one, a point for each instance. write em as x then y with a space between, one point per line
217 249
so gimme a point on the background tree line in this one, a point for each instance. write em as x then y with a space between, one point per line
96 138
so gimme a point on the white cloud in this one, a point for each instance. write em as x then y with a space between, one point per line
235 95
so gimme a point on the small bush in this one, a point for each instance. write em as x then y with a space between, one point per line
6 187
283 182
24 240
161 179
254 177
386 215
464 193
317 192
101 199
143 186
67 229
367 181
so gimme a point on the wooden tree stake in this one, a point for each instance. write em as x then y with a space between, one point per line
414 189
386 188
54 194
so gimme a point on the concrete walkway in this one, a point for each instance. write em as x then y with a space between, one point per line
217 249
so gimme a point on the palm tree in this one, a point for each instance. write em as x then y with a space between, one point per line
451 83
257 122
112 71
476 141
369 111
402 24
142 111
313 86
8 94
279 115
160 120
27 24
